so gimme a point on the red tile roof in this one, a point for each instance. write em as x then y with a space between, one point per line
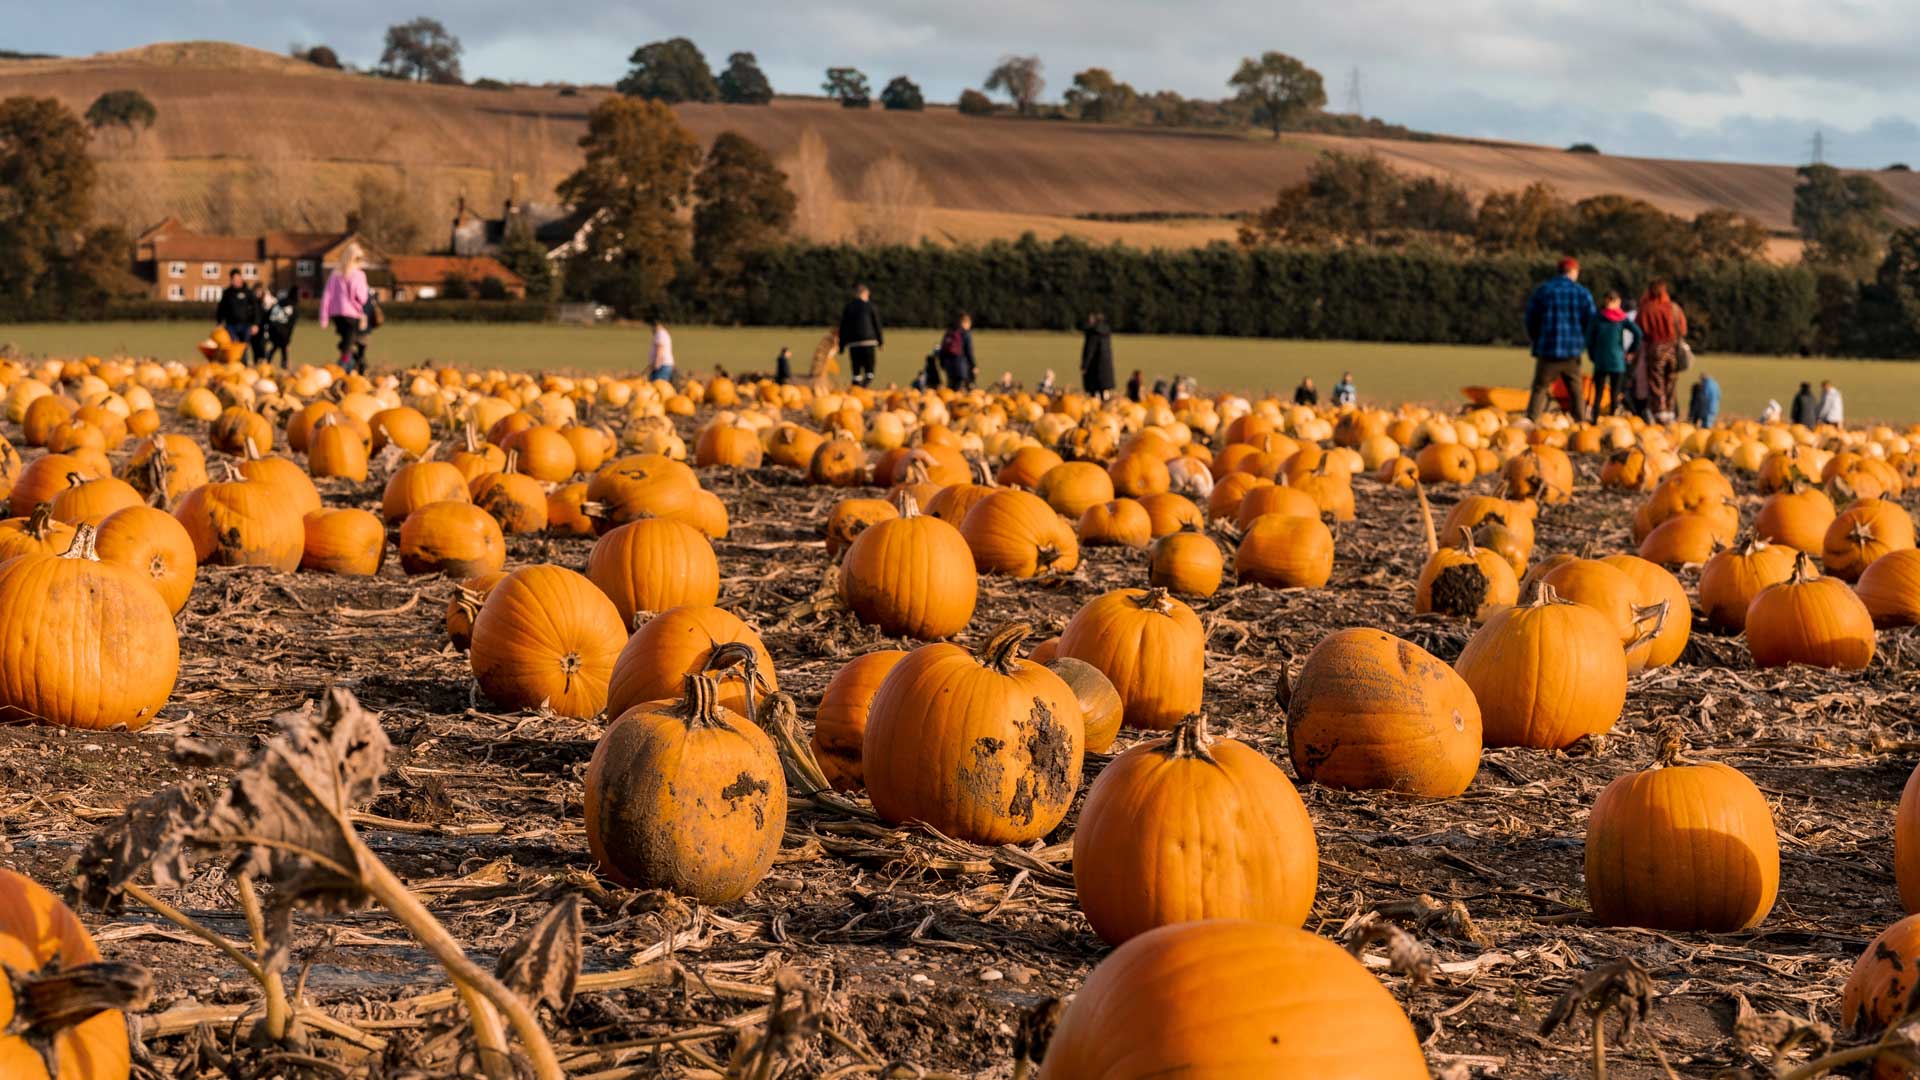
197 246
300 245
433 269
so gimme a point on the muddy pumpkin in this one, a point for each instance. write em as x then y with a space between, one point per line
688 796
1370 711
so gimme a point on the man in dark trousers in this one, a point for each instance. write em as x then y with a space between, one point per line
860 335
1096 357
237 311
1804 405
956 353
1559 313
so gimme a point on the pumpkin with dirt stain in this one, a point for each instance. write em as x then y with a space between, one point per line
680 642
1150 646
45 947
1192 827
514 499
983 746
457 539
851 517
1685 847
546 635
840 723
1810 619
654 564
1370 711
243 522
686 795
1545 674
912 576
1882 984
1233 998
1467 581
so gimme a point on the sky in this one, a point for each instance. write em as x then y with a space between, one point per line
1732 80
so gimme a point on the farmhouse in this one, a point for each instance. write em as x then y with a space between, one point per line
558 231
426 277
176 263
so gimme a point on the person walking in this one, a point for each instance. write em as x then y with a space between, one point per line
1663 333
262 300
1611 337
343 306
1771 414
861 335
783 366
282 313
237 311
1558 315
1135 383
1832 410
1703 405
1046 383
660 360
1344 392
1305 394
1096 360
956 353
1805 406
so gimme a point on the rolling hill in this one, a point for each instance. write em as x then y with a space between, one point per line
248 138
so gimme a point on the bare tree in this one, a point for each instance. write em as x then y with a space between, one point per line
895 201
817 214
1019 77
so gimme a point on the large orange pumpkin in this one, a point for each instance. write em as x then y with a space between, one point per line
1229 998
1369 710
1656 589
547 636
1890 587
654 564
1192 827
40 938
912 576
1686 847
1016 533
344 540
454 538
1732 578
1285 551
152 543
840 723
1809 619
680 642
1546 673
1864 531
414 486
1149 645
1187 563
243 522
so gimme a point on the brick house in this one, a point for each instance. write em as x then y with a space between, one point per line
424 277
179 264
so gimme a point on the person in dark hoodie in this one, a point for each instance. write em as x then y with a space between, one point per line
1609 339
783 366
237 311
1096 357
860 335
1805 405
956 353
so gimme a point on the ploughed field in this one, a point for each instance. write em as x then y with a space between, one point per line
877 949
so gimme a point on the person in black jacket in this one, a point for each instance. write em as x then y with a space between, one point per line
783 366
236 310
956 353
860 335
1805 405
1096 357
280 315
262 300
1305 393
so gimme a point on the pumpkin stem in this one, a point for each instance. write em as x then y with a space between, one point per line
230 473
982 472
1672 745
1545 594
82 546
1861 535
253 452
74 479
513 460
1803 570
701 703
1466 541
1654 613
1003 648
1190 739
473 442
739 654
1155 599
40 522
1426 518
1751 544
46 1003
908 506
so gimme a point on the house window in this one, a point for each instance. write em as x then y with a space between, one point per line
210 271
304 267
176 292
208 293
248 271
428 292
176 269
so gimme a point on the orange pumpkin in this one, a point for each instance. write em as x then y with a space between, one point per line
1149 645
1274 499
1881 987
37 532
1169 513
1546 673
1608 590
1686 847
1016 533
1864 531
454 538
1186 563
40 939
170 465
566 515
1467 581
1120 523
543 453
1684 540
1906 844
152 543
652 565
465 606
90 501
1369 710
1075 485
1025 468
345 540
420 483
840 722
243 522
1285 552
1797 517
1655 589
546 636
1101 709
1890 587
912 576
1809 619
851 517
514 499
1732 578
680 642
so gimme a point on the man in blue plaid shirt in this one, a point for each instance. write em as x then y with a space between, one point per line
1558 315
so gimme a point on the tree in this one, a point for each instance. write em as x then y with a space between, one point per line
637 177
1531 219
522 253
46 191
385 214
1899 277
671 71
1097 96
1726 236
902 93
974 103
1583 148
319 56
128 110
1020 78
743 83
1626 228
1843 218
1430 204
849 87
1279 88
421 50
745 206
454 287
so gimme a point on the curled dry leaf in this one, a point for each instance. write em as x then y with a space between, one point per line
49 1002
1405 955
1779 1033
543 966
1621 985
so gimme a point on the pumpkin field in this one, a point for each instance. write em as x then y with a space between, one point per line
459 722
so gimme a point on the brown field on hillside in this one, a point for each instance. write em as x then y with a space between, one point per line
248 138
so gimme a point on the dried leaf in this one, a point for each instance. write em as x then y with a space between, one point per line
543 966
1621 985
1405 955
47 1003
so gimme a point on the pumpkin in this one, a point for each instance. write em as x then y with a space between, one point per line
1797 517
1187 563
1073 486
912 576
1685 847
1477 510
1223 503
1540 472
1658 590
1120 523
344 540
1284 551
851 517
679 642
1809 619
1139 473
454 538
1545 674
1732 578
131 654
543 453
565 516
952 503
1608 590
44 478
37 532
1467 581
1371 711
476 458
1274 499
243 522
840 722
336 451
153 544
685 795
1906 844
282 474
465 606
1684 540
401 426
1890 587
1149 645
168 465
1101 709
1232 998
725 445
983 746
1025 468
1169 513
652 565
40 942
514 499
640 485
90 501
1864 531
1016 533
1445 463
546 636
1192 827
1880 989
838 462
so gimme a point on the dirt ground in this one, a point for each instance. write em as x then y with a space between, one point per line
926 955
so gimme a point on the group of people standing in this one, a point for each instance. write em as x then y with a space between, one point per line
255 316
1637 355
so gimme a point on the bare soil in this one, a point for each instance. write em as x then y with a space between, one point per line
925 952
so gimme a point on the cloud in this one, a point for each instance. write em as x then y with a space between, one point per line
1719 79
